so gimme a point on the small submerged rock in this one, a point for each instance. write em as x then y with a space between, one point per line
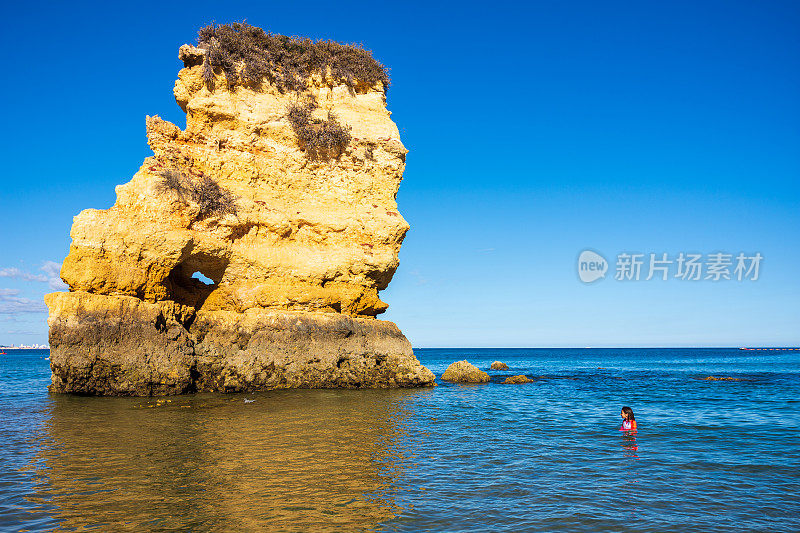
515 380
714 378
464 372
499 365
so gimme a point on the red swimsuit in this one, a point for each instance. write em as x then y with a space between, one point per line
628 425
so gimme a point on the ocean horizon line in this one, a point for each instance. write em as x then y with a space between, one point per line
665 347
732 347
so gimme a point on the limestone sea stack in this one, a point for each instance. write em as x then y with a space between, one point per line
248 252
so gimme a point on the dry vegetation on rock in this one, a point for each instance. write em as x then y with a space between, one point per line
212 199
247 54
322 139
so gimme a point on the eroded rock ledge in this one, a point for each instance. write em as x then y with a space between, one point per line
294 251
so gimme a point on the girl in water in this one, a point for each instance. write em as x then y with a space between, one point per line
628 420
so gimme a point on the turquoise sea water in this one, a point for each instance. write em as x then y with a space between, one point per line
545 456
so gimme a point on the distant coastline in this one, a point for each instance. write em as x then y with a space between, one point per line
32 347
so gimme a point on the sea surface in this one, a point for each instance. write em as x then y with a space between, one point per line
710 455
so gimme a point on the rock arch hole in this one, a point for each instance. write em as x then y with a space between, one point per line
203 278
194 278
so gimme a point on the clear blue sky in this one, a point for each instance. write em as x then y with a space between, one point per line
535 130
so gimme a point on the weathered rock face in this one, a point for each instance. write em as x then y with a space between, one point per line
296 267
465 372
498 365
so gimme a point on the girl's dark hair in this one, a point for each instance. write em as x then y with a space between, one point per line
628 411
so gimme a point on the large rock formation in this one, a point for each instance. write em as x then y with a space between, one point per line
295 248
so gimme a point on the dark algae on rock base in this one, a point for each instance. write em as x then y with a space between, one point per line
142 349
293 248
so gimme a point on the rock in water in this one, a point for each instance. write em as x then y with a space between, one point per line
497 365
248 252
516 380
464 372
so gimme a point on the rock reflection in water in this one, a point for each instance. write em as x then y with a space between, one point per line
291 460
